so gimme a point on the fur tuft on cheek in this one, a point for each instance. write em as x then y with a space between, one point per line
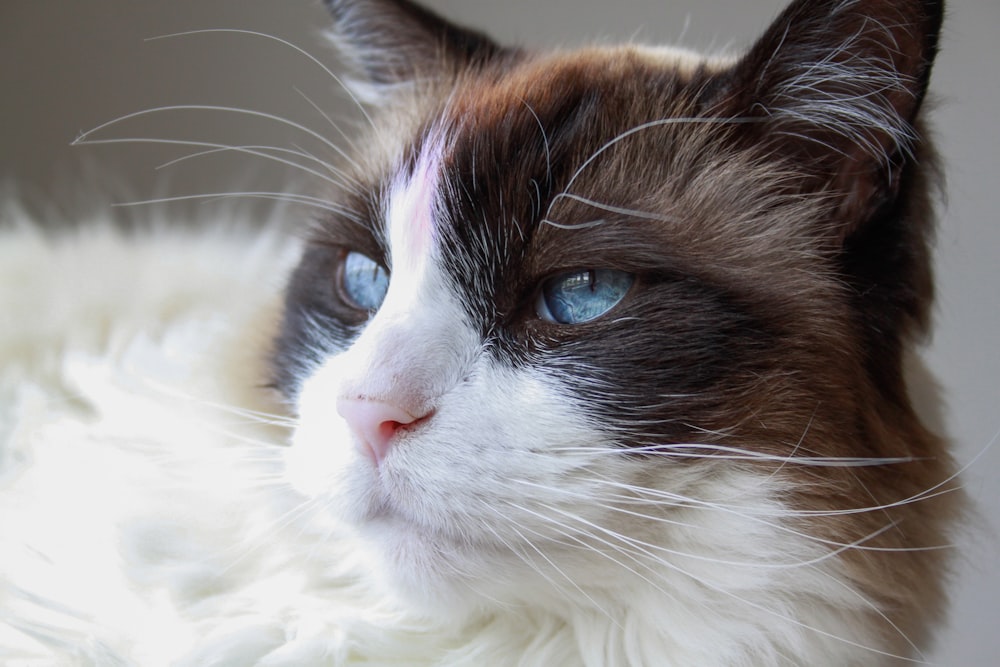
321 448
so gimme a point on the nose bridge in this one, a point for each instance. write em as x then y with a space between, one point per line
408 359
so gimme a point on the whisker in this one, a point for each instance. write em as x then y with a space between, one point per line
314 202
514 526
256 416
326 116
662 122
717 588
579 225
791 455
574 535
257 151
545 142
871 606
631 212
84 138
717 452
260 540
678 501
839 548
670 566
284 42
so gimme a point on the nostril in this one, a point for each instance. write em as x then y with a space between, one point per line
374 424
387 429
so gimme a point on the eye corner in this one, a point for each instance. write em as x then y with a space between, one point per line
542 311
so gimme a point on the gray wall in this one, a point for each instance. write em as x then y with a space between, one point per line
68 66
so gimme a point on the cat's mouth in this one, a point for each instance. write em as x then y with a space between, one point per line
396 504
384 501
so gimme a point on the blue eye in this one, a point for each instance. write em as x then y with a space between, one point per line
581 296
363 281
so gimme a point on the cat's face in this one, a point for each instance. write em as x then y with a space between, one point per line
534 341
584 317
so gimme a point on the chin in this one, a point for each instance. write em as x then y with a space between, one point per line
430 573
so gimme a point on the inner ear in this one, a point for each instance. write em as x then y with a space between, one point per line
834 87
392 43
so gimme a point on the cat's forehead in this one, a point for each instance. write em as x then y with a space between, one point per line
604 91
549 76
629 83
522 134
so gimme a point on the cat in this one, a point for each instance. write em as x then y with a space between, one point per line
618 334
593 357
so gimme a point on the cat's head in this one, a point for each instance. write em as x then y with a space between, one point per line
618 314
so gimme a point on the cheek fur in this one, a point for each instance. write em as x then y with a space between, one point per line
321 446
511 493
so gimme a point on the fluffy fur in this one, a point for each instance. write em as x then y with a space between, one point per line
144 523
723 469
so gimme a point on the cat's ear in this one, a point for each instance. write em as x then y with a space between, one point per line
836 86
393 43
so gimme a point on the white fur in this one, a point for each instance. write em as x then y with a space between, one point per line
144 521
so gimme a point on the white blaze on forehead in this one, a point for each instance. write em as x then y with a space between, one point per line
417 343
414 349
412 211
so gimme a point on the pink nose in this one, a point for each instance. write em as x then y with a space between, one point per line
374 424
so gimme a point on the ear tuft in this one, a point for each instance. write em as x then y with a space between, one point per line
853 68
837 85
392 44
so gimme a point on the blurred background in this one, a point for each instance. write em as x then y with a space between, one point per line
67 67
